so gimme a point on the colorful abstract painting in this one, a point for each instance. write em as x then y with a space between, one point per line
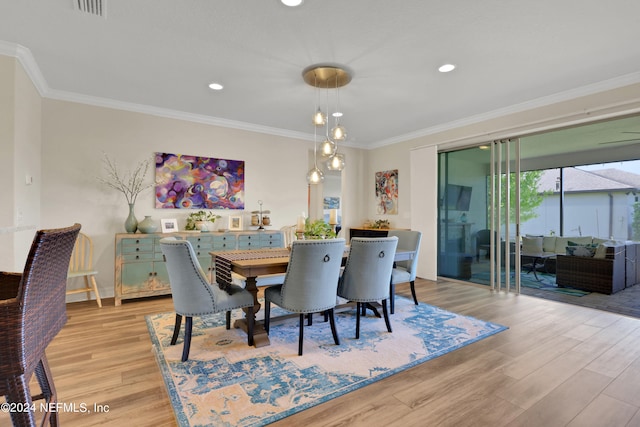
387 192
192 182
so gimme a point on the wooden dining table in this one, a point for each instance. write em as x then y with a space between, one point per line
260 262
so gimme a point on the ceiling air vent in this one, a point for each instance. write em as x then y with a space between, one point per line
93 7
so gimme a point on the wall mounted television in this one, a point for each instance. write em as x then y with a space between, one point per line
458 197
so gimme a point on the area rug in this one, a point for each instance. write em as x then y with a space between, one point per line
227 383
544 282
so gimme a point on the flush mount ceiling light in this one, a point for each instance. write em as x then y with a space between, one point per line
446 68
291 3
215 86
328 77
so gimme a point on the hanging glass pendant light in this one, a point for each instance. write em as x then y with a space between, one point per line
338 133
315 175
319 118
336 162
328 148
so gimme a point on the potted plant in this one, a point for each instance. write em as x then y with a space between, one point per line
318 229
201 220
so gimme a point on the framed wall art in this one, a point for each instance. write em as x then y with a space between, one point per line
387 192
193 182
235 223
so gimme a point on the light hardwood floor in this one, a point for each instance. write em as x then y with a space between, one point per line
557 365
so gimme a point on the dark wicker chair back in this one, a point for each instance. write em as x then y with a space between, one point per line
32 312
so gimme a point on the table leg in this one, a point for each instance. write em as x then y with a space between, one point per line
260 337
535 270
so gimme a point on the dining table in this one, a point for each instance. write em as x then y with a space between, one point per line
260 262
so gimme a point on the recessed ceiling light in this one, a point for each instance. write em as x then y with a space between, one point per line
215 86
291 3
484 147
446 68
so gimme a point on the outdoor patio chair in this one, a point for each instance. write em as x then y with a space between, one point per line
32 312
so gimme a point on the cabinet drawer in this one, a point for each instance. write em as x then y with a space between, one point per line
145 241
224 246
271 240
224 239
142 256
245 238
249 244
146 246
200 240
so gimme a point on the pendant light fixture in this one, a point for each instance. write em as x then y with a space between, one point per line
315 175
327 77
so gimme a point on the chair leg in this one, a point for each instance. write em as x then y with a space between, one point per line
45 381
176 329
310 319
267 314
413 292
392 293
19 393
334 331
94 285
301 335
228 318
358 319
386 315
187 338
250 325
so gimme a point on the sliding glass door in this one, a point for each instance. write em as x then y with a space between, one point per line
479 197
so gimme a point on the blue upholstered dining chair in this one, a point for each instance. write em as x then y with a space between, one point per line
367 274
405 271
193 295
310 283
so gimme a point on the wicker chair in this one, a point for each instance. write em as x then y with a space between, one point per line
32 312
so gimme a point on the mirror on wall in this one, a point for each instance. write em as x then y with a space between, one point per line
326 196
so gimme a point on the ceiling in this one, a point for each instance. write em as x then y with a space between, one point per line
159 56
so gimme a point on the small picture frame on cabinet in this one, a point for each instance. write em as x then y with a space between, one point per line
169 225
235 223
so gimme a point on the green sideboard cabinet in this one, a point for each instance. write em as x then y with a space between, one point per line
140 270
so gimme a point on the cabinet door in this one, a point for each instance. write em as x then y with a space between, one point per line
160 277
135 277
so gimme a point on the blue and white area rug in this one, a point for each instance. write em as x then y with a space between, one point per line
227 383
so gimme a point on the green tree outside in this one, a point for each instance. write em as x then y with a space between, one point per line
530 196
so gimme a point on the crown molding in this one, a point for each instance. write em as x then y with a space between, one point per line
173 114
615 83
28 62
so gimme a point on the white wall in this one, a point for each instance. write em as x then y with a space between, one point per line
586 214
20 147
